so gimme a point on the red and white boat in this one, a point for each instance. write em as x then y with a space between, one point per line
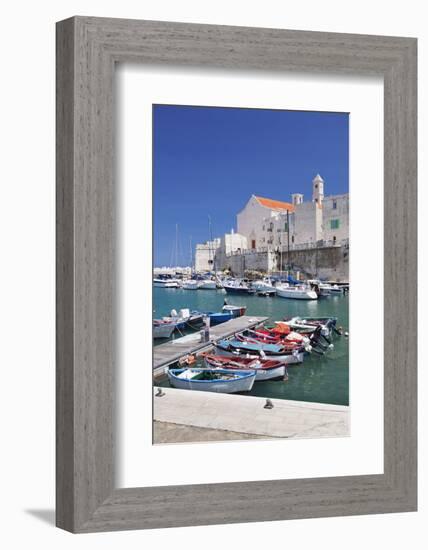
281 333
266 369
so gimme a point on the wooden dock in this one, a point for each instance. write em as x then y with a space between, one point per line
165 354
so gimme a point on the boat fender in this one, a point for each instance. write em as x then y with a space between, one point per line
346 334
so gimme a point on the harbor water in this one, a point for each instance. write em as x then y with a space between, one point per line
320 379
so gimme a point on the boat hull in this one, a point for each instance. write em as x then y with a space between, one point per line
262 373
296 294
208 285
236 289
166 284
163 330
227 313
287 359
218 318
190 286
243 382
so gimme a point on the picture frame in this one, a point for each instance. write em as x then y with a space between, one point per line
87 51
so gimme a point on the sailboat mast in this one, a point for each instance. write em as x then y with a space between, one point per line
288 241
211 242
176 244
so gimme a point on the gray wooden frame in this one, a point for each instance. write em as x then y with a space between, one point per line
87 50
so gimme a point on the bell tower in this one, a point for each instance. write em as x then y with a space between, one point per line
317 189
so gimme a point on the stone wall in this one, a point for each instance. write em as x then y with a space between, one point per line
238 264
327 262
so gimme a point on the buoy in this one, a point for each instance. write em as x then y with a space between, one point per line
268 404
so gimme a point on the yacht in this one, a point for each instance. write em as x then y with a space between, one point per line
297 292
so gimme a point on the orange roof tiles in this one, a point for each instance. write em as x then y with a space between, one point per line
275 205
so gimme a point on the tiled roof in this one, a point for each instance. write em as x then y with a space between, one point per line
275 205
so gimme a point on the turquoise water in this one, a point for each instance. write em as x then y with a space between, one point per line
319 379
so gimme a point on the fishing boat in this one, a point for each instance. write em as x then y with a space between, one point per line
162 329
190 284
166 283
266 369
207 284
238 287
258 349
264 287
336 290
308 325
316 342
185 319
227 313
236 311
212 380
326 289
276 335
298 292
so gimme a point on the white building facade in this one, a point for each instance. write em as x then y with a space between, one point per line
266 225
205 255
274 224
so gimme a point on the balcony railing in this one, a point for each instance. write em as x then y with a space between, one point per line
293 246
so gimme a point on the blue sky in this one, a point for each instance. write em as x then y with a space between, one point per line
208 161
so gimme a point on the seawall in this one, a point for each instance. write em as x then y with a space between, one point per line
331 263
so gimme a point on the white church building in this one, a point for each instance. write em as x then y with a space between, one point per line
273 224
266 224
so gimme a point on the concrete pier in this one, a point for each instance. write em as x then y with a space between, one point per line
240 414
165 354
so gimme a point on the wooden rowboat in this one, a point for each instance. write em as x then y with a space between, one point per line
212 380
266 351
266 369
